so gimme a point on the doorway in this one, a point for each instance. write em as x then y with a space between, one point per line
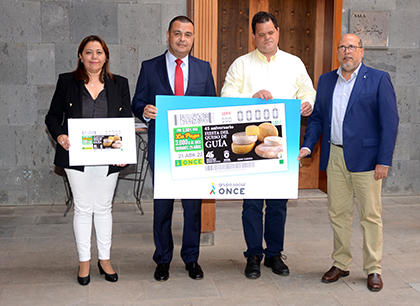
308 29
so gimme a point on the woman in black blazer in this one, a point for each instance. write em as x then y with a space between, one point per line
91 91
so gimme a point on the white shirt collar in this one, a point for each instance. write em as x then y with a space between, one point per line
353 75
170 58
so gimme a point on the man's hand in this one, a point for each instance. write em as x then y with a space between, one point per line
305 109
302 154
263 95
380 172
150 111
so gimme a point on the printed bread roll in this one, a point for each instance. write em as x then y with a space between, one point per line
242 149
241 138
266 129
252 130
273 141
268 151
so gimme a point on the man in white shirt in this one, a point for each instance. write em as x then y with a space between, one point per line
267 73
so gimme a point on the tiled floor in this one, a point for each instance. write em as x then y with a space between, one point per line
38 261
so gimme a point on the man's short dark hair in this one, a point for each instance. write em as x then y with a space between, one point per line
263 17
183 19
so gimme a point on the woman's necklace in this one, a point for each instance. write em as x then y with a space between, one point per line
92 83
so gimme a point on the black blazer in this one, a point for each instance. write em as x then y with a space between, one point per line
67 103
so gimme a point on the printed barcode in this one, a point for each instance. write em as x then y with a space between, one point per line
193 119
229 166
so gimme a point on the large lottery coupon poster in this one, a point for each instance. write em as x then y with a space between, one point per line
208 147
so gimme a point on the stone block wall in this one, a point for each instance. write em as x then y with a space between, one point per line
38 41
402 60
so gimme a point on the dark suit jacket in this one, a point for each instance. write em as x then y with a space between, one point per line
370 123
153 80
67 103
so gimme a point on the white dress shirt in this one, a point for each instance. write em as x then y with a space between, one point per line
284 76
341 96
170 67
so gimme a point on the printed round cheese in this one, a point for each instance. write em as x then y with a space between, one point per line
266 129
273 141
241 138
268 151
242 149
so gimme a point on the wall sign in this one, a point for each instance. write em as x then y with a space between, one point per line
371 27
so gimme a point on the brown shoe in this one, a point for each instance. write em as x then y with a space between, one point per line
374 282
333 275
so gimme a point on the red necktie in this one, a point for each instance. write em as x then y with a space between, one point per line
179 79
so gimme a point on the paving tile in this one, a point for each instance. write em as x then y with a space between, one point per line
415 286
12 244
313 299
406 259
411 296
236 300
66 243
7 231
38 260
409 275
45 294
405 200
385 297
224 252
236 286
170 302
102 292
44 230
306 282
6 211
179 287
37 275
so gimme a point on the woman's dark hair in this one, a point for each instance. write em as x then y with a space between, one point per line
80 73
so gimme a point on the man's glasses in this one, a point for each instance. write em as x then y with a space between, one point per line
351 48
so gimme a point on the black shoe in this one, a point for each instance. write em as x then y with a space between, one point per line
109 277
162 272
83 280
276 264
252 269
194 270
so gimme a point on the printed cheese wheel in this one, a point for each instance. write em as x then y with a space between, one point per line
273 141
268 151
252 130
266 129
241 138
242 149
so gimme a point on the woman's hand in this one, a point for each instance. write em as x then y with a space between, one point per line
63 140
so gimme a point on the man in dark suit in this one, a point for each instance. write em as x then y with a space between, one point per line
356 110
161 76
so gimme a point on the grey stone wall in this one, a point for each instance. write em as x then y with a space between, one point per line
39 40
402 60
